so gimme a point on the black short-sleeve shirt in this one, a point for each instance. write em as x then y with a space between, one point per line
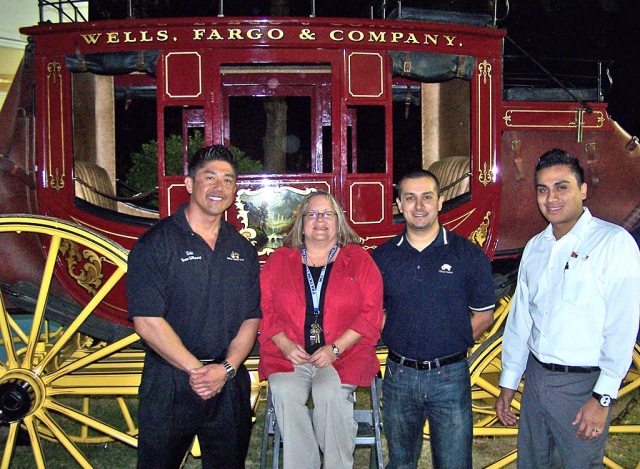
428 294
204 294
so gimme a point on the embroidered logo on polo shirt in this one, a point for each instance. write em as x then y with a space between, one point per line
445 269
190 257
234 256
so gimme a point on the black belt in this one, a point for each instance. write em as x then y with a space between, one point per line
209 361
427 364
567 368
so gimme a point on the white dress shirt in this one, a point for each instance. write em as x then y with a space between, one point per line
576 303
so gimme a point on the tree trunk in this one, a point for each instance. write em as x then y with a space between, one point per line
275 160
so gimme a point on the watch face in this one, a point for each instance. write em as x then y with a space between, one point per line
605 401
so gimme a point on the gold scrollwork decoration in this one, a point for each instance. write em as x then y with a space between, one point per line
484 68
54 89
479 236
88 275
484 175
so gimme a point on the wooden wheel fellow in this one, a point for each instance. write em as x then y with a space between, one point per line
486 365
45 368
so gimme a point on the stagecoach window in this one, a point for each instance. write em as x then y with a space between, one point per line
277 115
366 139
113 116
183 136
432 130
273 132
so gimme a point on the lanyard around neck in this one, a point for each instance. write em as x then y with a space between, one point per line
316 290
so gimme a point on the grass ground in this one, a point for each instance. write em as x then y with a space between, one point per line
623 448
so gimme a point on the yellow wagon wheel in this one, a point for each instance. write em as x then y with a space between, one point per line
42 368
485 367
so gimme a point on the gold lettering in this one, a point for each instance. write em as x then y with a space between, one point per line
411 39
91 38
396 36
162 35
333 35
144 37
431 38
235 34
275 34
127 37
215 35
112 38
450 40
254 34
198 34
381 37
356 36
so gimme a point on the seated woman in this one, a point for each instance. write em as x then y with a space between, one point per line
322 314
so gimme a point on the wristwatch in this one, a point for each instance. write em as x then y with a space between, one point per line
335 350
605 400
231 371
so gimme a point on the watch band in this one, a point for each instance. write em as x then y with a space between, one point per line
231 371
335 350
605 400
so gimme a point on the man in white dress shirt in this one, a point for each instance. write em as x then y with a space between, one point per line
572 326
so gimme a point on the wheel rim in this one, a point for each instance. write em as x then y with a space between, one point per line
42 368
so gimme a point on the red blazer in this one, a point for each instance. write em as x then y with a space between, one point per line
353 300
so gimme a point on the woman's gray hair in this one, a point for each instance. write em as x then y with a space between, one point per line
346 235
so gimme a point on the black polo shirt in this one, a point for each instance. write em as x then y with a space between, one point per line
428 294
204 294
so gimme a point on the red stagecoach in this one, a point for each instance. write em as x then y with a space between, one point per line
102 118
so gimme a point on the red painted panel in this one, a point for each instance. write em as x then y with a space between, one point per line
365 75
183 75
367 202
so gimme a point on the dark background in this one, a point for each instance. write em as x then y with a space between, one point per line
606 30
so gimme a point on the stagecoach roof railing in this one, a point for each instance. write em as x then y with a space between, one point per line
67 10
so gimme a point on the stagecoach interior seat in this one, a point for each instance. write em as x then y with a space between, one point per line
369 429
91 178
452 169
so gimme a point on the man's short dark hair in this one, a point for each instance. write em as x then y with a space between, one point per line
211 153
419 174
557 157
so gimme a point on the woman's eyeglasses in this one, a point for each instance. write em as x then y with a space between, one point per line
327 215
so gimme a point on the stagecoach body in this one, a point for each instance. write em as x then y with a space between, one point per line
340 105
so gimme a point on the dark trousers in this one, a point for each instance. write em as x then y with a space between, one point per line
171 414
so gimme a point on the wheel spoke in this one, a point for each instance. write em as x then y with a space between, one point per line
91 358
36 445
72 329
92 423
38 315
60 435
7 338
9 445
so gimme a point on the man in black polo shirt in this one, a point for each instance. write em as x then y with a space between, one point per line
438 297
194 297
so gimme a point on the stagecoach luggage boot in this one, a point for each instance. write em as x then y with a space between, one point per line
567 368
427 364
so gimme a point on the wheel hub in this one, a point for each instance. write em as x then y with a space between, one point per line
20 395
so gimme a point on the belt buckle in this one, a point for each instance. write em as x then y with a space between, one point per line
427 364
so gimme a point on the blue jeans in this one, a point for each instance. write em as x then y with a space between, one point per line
442 395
